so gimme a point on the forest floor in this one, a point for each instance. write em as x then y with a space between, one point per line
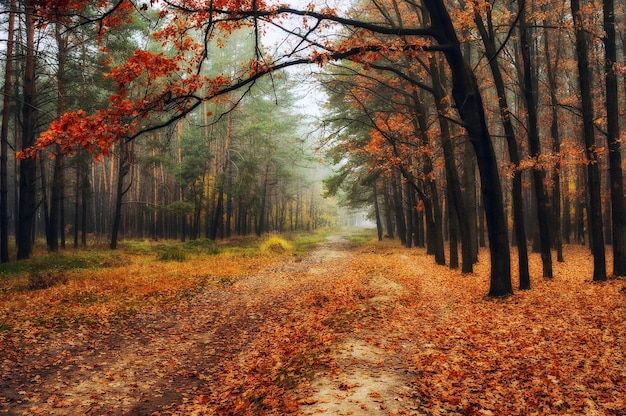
369 330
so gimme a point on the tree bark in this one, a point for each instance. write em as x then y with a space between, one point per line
28 167
58 181
470 107
379 225
459 214
4 138
409 203
122 172
397 206
388 210
534 144
430 195
596 235
618 208
218 217
261 224
511 140
551 69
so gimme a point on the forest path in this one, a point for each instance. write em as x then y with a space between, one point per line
299 330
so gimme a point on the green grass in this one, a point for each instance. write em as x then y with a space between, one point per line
305 243
202 246
360 236
48 268
172 253
72 259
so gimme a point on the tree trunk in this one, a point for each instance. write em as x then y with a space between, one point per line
28 167
409 202
618 208
4 139
388 211
58 181
260 229
418 223
596 235
54 218
122 172
218 217
84 201
397 207
534 144
430 195
509 132
379 225
218 214
455 197
469 195
453 231
229 203
471 110
551 69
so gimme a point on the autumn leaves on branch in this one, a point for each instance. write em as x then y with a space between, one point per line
155 89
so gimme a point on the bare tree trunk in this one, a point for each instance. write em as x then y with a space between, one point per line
509 132
534 144
469 195
76 202
388 211
455 196
409 202
594 215
122 172
261 225
618 208
551 68
430 195
55 226
397 206
4 139
379 225
28 167
218 217
84 199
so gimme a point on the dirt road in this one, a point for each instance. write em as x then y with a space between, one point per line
286 340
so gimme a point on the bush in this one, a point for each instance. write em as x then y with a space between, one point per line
202 246
172 254
38 279
276 245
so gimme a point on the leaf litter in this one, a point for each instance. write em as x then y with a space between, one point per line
375 330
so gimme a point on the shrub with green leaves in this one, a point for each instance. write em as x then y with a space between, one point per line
202 246
172 253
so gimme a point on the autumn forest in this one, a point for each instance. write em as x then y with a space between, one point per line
210 158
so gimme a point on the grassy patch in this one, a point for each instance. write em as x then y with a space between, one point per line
305 243
360 236
97 286
172 253
202 246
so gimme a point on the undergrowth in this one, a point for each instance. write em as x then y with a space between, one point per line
360 236
96 286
